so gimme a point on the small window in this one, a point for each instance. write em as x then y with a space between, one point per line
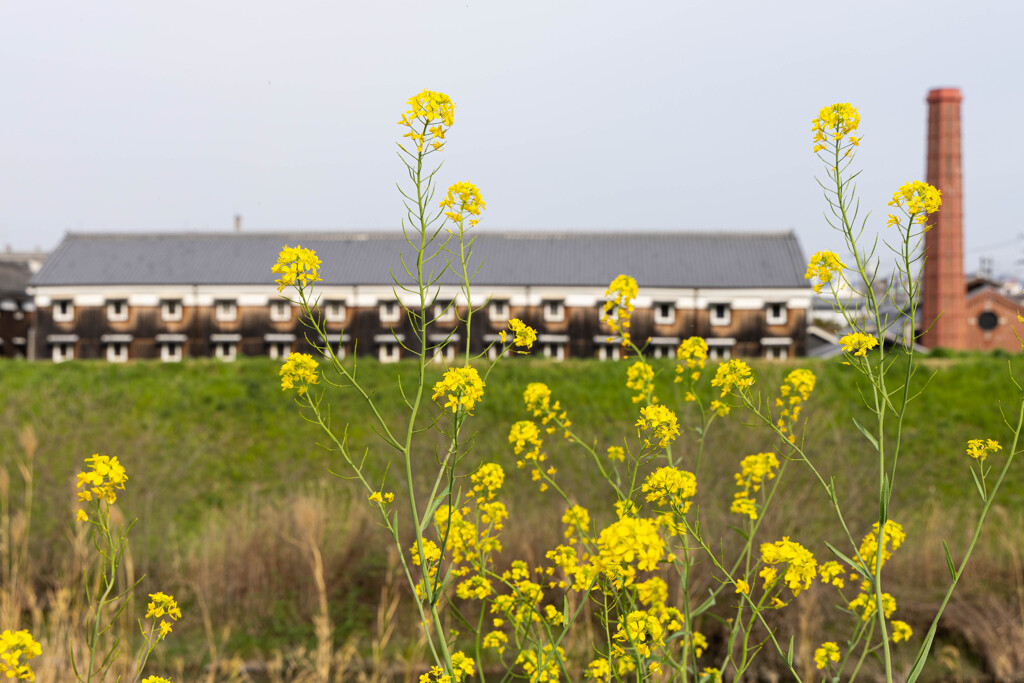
494 349
445 354
988 320
664 313
337 348
170 352
775 314
278 350
225 351
117 311
63 311
226 310
498 311
63 351
719 352
444 311
389 353
171 310
776 352
280 311
334 311
117 352
554 351
389 312
554 311
721 314
609 352
662 351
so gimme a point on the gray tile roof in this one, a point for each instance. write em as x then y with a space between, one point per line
655 259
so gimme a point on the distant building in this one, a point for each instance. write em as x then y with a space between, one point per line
172 296
17 310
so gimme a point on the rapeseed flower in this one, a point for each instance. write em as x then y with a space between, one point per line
523 335
640 378
300 369
691 354
801 567
16 649
542 666
629 541
463 199
823 265
980 448
618 306
298 267
672 487
835 121
640 630
866 604
917 200
828 652
901 631
156 679
661 422
893 535
428 119
732 375
858 342
106 476
160 606
462 387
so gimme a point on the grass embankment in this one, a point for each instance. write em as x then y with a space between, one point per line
230 488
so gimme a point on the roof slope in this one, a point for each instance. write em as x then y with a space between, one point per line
655 259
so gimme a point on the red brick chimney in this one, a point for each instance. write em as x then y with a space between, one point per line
944 290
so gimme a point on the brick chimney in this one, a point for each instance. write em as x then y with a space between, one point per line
944 290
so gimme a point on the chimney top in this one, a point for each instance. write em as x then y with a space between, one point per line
238 222
945 95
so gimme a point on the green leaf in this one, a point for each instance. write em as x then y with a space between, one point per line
949 562
922 654
866 433
977 483
854 565
789 656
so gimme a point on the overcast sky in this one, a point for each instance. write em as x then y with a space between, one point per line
588 115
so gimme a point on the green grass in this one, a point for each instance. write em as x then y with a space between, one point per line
204 441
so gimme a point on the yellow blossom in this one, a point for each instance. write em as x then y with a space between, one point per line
297 266
429 116
742 587
16 649
661 422
155 679
462 387
618 306
858 342
828 652
835 121
980 448
103 480
892 536
917 199
901 631
801 567
640 378
299 369
525 335
616 453
463 199
672 487
732 375
162 605
823 265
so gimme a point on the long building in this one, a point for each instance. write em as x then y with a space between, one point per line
170 296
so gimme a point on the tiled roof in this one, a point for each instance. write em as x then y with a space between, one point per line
655 259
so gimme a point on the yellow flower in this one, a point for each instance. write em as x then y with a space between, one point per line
670 486
691 354
901 631
828 652
525 335
155 679
463 387
618 306
917 199
662 423
823 265
859 343
742 587
376 497
980 448
831 572
162 605
301 369
616 453
495 640
298 267
836 121
105 477
801 567
732 375
640 378
893 535
16 648
429 116
463 199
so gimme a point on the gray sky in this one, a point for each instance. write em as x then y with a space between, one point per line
599 115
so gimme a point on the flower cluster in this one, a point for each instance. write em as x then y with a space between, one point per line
828 652
980 448
640 378
526 442
628 545
463 199
732 375
618 306
858 343
299 369
461 663
917 200
893 534
428 118
462 387
106 476
672 487
156 679
836 121
523 335
754 471
661 422
691 354
823 265
537 398
298 267
796 389
16 648
801 567
164 608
